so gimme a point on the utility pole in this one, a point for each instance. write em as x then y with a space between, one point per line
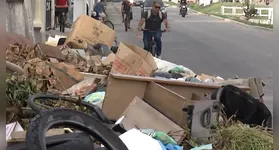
19 18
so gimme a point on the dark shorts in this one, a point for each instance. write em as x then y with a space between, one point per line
58 11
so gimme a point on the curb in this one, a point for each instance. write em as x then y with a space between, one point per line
230 20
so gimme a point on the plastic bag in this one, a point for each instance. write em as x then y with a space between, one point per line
162 136
95 98
165 66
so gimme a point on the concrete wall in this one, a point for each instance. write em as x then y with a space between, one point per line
20 18
80 7
39 19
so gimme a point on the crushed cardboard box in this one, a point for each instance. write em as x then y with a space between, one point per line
143 116
131 60
87 30
65 75
166 96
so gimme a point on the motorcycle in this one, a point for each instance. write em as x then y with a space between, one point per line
183 10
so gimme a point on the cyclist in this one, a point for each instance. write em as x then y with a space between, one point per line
126 9
153 20
61 7
100 9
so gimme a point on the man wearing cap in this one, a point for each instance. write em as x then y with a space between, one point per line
153 20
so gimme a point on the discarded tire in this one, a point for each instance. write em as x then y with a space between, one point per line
97 112
35 136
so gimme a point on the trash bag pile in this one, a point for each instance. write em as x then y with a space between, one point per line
126 98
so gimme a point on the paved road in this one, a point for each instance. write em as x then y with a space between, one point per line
213 46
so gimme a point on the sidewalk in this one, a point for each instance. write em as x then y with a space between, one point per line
132 36
114 14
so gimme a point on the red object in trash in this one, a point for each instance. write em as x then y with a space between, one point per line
62 3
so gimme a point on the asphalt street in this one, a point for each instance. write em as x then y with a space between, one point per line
212 46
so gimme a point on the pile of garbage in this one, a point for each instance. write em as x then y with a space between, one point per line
147 102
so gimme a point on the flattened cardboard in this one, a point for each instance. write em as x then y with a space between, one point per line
87 30
167 96
203 77
132 62
109 59
167 102
143 54
49 51
141 115
66 75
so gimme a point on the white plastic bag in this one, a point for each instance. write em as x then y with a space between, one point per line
165 66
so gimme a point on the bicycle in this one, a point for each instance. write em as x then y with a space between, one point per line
152 47
103 19
62 10
107 23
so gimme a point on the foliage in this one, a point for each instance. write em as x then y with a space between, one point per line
18 89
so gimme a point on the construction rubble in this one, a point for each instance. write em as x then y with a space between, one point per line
149 103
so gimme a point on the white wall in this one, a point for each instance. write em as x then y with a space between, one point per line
80 7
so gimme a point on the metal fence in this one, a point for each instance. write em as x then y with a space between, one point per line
238 11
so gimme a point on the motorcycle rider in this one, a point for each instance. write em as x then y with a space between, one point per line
153 27
182 3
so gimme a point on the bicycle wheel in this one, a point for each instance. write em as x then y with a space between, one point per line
35 136
126 24
153 49
63 22
109 24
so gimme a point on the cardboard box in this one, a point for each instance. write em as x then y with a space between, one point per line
143 116
66 75
131 60
87 30
49 51
166 96
203 77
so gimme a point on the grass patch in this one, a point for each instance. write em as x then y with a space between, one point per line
228 10
215 9
264 12
238 11
238 136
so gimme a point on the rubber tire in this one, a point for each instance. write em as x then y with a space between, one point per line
97 112
109 24
153 49
57 117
